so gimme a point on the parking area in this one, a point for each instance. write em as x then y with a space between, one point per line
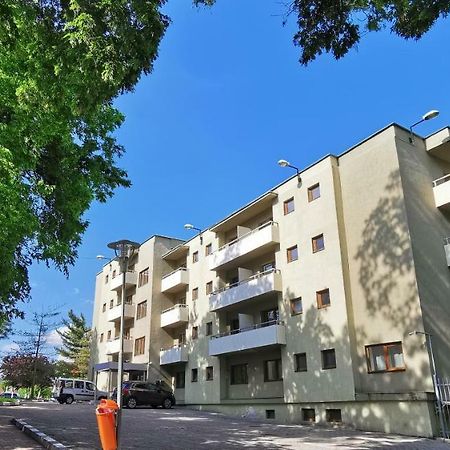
183 429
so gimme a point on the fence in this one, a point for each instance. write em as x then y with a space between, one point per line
443 399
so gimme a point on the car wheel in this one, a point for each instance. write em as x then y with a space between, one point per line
131 403
69 399
167 403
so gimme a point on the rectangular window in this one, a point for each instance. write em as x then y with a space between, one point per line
129 300
179 380
143 277
385 357
194 332
328 359
268 266
333 415
109 335
239 374
288 206
318 243
208 249
270 414
296 306
114 274
273 370
195 257
308 414
141 310
323 298
104 307
139 346
101 337
313 192
194 375
209 287
209 373
300 362
209 329
292 254
106 279
195 294
111 304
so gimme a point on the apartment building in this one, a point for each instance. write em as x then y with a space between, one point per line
299 306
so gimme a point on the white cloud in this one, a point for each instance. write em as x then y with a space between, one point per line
53 338
9 347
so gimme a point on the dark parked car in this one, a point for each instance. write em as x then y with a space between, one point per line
137 393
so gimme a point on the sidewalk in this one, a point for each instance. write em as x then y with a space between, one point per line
12 438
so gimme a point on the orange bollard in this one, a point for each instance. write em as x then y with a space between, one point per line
106 421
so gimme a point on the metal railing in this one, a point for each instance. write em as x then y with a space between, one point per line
234 241
179 345
443 388
253 277
253 327
441 180
125 338
174 271
177 306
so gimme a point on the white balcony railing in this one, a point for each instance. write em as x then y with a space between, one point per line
174 316
255 241
258 284
175 281
441 191
130 281
113 346
173 355
261 335
114 313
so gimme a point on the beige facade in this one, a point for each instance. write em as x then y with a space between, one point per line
299 305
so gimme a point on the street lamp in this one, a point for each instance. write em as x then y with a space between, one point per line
434 376
284 163
124 251
189 226
427 116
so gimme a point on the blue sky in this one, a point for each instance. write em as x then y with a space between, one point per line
226 100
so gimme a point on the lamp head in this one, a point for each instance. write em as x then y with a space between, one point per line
188 226
283 163
430 114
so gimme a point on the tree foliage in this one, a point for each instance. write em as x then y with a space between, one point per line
62 63
337 26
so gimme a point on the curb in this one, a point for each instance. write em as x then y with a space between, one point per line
41 438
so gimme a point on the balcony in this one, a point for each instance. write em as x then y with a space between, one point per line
175 281
255 286
174 316
262 335
245 247
114 313
130 281
173 355
441 191
113 346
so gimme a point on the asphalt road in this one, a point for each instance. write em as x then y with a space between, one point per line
183 429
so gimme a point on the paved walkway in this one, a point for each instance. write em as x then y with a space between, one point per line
11 438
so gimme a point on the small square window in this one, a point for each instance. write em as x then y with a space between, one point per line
209 328
313 192
328 359
111 304
109 335
104 307
106 279
209 287
195 257
288 206
318 243
101 337
194 375
308 414
208 249
296 306
270 414
209 373
292 254
300 362
333 415
323 298
195 294
385 357
194 332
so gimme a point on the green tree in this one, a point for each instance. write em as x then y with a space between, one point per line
76 344
62 64
337 26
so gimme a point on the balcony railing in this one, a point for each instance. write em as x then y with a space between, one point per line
175 281
130 281
113 345
115 313
172 355
441 191
174 316
255 241
260 335
258 284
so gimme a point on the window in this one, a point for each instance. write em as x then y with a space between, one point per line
270 316
288 206
106 279
323 298
313 192
109 335
239 374
69 384
318 244
195 257
194 332
209 373
194 375
90 386
385 357
209 287
179 380
333 415
141 310
111 304
292 254
195 294
101 337
143 277
104 307
114 274
208 249
79 384
300 362
296 306
328 359
209 329
270 414
139 346
268 266
308 414
272 370
129 300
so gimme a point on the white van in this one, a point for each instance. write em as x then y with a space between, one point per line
67 390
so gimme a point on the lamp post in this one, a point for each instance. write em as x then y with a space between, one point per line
284 163
124 251
434 376
427 116
189 226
